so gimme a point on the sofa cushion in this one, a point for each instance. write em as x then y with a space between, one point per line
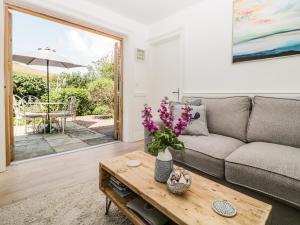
269 168
198 123
190 101
207 153
275 120
228 116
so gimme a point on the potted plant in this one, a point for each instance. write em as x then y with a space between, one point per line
165 137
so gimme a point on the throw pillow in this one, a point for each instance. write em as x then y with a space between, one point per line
198 123
188 101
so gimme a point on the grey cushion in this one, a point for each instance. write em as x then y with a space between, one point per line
207 153
228 116
269 168
197 126
191 101
275 120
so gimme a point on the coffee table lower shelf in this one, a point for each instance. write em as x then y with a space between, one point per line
121 204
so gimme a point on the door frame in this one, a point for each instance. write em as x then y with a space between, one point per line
9 128
9 132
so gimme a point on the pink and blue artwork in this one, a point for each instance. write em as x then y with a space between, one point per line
265 29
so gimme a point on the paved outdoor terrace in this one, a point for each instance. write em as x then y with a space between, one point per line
84 132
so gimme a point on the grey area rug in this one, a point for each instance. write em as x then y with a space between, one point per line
80 204
84 204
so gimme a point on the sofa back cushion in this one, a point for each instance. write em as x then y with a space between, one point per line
228 116
275 120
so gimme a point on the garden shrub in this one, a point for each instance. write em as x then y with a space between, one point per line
82 96
102 110
94 91
101 92
27 84
74 79
102 68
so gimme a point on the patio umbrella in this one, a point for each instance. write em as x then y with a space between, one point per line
45 57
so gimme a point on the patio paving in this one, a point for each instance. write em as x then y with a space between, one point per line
31 149
75 137
84 134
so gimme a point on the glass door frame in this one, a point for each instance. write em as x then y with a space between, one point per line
8 86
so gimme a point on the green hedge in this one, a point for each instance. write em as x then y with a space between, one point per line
26 84
93 97
101 92
83 105
74 79
102 110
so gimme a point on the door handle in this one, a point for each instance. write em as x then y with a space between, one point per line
176 92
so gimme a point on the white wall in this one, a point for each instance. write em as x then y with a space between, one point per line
207 30
2 125
88 14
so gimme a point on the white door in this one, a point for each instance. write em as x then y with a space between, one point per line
165 70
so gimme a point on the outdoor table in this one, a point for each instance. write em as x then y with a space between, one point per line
34 115
47 103
55 113
58 114
52 103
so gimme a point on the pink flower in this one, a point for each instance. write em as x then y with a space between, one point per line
148 123
183 121
167 117
165 113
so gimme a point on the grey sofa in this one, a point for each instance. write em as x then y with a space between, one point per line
253 143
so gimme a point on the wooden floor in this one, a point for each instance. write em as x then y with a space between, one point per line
30 178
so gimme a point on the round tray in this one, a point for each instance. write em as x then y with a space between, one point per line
224 208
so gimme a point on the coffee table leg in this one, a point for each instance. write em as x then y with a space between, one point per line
107 205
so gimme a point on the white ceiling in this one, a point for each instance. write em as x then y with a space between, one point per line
145 11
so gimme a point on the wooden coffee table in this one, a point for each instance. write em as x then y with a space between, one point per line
194 207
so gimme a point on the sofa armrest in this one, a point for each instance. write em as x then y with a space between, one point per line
148 137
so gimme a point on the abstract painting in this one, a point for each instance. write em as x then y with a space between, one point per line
265 29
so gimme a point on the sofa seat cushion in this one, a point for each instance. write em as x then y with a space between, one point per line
207 153
269 168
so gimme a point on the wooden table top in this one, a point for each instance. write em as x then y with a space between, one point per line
194 207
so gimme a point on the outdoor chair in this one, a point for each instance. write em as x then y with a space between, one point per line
18 108
33 111
70 111
71 107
